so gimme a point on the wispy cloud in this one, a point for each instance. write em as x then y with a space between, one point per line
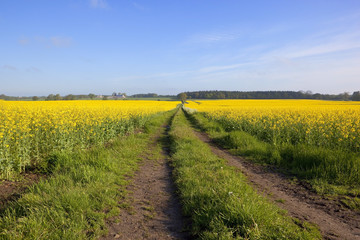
221 68
238 32
155 76
323 61
348 18
211 70
98 4
60 41
332 37
13 68
138 6
213 37
310 63
33 69
314 48
55 41
9 67
23 41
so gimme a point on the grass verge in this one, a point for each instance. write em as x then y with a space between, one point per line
329 171
217 198
83 190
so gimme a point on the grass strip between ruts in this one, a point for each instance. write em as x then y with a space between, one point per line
217 198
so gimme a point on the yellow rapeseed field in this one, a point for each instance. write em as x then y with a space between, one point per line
331 124
30 130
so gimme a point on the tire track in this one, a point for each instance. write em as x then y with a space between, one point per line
155 211
300 202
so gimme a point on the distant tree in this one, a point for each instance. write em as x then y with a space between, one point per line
69 97
114 94
105 98
145 95
51 97
182 97
82 96
317 96
124 94
221 95
92 96
35 98
344 96
356 96
58 97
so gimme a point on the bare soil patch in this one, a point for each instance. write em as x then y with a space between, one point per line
333 220
12 190
154 210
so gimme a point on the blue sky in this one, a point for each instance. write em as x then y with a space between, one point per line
166 47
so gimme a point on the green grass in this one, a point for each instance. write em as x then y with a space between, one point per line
218 199
329 171
84 188
353 203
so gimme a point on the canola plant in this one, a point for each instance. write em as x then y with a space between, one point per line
329 124
31 130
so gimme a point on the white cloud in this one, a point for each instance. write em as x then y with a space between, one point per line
60 41
319 49
325 61
13 68
317 45
9 67
213 37
138 6
23 41
221 68
56 41
98 3
33 69
234 33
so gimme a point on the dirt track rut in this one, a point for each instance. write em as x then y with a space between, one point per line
155 211
335 222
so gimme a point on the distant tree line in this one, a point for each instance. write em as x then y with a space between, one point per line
50 97
11 98
204 95
55 97
150 95
271 95
145 95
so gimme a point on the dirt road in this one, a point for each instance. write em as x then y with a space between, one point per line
154 210
334 221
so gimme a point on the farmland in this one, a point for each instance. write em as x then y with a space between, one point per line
316 140
108 166
329 124
31 130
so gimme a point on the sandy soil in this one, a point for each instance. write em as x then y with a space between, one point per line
334 221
